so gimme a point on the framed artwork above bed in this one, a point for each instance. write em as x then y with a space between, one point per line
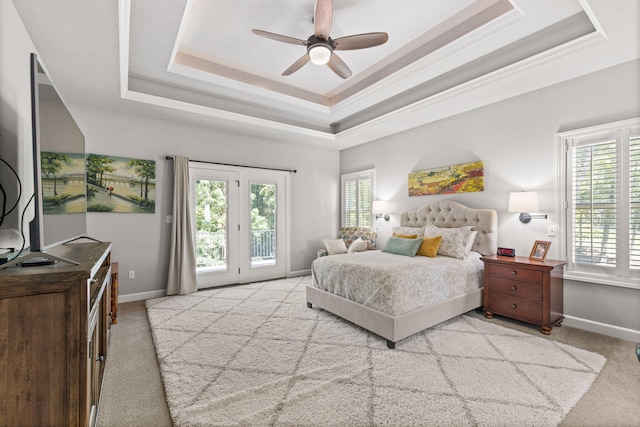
462 178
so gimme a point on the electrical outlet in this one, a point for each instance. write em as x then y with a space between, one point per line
169 219
552 231
132 274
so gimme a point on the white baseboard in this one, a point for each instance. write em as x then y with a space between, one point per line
602 328
299 273
142 296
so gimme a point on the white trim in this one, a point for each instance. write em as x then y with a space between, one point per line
141 296
299 273
124 22
630 283
620 131
602 328
242 119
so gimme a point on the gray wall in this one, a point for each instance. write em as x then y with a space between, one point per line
516 139
141 241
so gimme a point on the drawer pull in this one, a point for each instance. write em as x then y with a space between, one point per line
514 288
513 272
514 306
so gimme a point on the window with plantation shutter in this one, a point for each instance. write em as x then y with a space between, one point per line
602 201
357 195
634 202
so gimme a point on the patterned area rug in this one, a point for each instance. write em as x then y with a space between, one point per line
256 355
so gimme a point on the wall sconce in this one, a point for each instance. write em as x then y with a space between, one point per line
525 202
380 208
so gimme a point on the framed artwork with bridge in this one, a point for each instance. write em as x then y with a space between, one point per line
120 184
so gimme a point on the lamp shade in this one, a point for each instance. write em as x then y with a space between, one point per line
380 207
523 201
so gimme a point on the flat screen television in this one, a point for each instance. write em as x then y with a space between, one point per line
59 172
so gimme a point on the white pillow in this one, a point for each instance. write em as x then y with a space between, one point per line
455 241
472 239
335 246
408 231
358 245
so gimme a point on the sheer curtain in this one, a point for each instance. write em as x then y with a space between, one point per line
182 261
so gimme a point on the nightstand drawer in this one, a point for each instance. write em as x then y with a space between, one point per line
514 288
516 273
516 308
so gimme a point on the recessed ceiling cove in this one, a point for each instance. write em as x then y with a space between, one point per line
205 54
215 42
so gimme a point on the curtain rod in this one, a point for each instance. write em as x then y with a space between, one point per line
239 166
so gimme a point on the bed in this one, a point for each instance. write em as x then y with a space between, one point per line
396 296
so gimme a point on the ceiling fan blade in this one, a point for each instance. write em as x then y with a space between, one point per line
279 37
360 41
322 17
338 66
296 65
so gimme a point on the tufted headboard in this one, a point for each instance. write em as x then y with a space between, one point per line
450 214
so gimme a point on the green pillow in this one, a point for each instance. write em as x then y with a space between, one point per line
401 246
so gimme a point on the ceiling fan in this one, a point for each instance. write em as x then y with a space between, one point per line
321 47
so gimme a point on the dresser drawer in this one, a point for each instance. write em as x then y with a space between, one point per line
515 288
516 273
516 308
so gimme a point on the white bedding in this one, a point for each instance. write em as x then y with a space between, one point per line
396 284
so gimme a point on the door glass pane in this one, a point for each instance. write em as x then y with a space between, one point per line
263 224
211 225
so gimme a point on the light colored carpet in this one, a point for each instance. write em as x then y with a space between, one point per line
256 355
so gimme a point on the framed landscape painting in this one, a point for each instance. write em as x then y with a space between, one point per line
120 184
63 183
462 178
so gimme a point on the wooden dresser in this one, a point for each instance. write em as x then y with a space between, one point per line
54 323
524 289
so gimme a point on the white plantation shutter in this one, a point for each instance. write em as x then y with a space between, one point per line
634 203
356 199
350 203
603 201
594 203
364 202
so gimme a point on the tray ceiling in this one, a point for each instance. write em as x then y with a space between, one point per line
198 61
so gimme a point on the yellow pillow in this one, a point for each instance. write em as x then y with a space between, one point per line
406 236
429 246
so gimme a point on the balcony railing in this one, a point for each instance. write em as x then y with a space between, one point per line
211 247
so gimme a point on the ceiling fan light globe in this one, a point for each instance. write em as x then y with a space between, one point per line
319 54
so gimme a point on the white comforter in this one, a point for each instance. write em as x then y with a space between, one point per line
396 284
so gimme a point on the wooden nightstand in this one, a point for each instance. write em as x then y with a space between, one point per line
524 289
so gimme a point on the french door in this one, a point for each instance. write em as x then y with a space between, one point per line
240 224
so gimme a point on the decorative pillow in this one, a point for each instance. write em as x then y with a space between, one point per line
358 245
418 231
334 247
429 246
400 246
406 236
472 239
454 240
350 234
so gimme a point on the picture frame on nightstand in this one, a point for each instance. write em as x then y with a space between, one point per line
539 250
